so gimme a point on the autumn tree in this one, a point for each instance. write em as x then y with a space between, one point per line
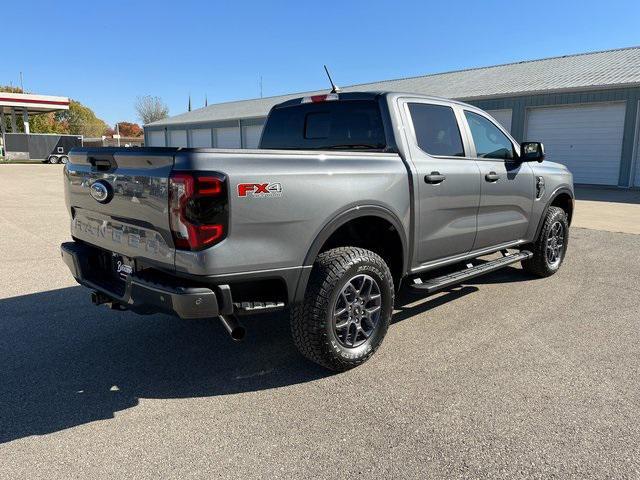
10 89
80 120
151 109
46 123
128 129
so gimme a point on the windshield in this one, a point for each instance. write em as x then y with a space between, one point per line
331 125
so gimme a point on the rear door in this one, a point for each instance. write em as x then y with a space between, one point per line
507 185
133 218
449 183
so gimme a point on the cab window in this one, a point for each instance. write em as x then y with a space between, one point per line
331 125
489 140
436 129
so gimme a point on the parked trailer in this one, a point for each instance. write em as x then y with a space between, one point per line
40 147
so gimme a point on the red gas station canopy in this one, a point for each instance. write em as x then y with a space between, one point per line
33 104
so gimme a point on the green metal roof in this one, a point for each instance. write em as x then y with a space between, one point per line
585 71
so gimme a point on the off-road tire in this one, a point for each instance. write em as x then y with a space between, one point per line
538 264
312 325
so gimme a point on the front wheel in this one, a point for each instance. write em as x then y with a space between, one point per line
551 246
347 308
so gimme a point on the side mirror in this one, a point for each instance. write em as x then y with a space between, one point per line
532 152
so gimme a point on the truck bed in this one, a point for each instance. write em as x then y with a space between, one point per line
261 226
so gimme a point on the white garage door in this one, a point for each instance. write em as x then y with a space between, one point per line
586 138
177 138
156 138
201 137
228 137
502 116
251 135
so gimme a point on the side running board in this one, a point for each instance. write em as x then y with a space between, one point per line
438 283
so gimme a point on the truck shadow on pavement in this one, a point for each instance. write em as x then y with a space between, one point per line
66 363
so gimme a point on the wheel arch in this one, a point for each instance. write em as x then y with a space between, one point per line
338 224
562 197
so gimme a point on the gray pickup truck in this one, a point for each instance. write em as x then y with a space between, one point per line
348 195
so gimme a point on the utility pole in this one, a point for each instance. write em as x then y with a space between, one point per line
118 132
21 83
260 83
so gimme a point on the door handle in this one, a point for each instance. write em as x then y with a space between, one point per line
492 177
434 178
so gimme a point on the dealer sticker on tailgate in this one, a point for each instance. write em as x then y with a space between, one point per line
122 265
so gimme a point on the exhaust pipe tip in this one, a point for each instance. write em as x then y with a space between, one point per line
238 333
233 327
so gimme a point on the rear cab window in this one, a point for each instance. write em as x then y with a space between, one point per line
326 125
437 131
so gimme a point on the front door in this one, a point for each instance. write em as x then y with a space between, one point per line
507 185
448 182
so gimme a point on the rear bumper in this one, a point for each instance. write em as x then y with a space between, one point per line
145 295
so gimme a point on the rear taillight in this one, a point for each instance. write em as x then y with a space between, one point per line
198 209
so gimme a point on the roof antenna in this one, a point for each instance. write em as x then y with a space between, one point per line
334 89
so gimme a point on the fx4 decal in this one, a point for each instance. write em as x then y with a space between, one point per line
261 190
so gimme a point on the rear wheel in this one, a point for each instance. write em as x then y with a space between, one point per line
551 246
347 308
64 159
53 159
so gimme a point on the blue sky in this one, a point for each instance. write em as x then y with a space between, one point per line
104 54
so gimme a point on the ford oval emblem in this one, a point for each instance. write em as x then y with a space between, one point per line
101 191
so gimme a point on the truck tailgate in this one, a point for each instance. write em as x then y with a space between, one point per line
132 219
